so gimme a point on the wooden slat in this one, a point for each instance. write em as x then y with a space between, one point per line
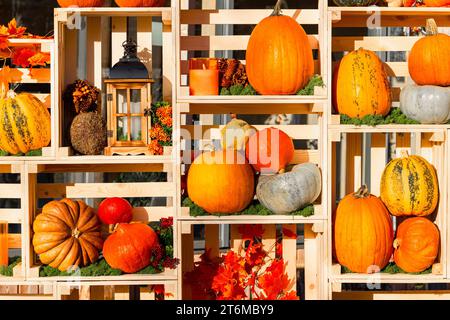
10 190
393 295
144 42
216 43
212 239
289 245
52 190
302 156
387 43
243 16
94 51
11 215
137 189
14 241
118 36
146 214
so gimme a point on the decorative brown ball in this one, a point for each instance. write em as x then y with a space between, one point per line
88 133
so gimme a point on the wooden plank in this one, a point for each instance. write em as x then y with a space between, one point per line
94 51
353 163
375 43
14 241
144 42
378 161
11 215
118 36
146 214
393 295
168 67
235 238
52 190
269 239
136 189
212 239
10 190
289 245
313 263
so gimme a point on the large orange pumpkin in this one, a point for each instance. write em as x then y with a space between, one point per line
279 57
140 3
67 234
436 3
361 86
129 248
221 181
269 150
429 59
80 3
416 245
363 232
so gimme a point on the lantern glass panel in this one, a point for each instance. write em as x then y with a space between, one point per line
122 128
122 101
136 101
136 129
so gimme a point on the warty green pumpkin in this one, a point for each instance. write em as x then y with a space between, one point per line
286 192
409 186
24 123
426 104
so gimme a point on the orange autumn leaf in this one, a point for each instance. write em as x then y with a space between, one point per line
251 231
14 30
289 234
21 56
39 59
3 38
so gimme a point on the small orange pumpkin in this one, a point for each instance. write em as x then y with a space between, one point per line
363 232
80 3
416 245
129 248
429 59
140 3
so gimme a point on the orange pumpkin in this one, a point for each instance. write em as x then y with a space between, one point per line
279 57
140 3
129 248
361 86
416 245
429 59
221 181
80 3
269 150
436 3
363 232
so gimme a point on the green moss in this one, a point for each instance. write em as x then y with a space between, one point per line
391 268
395 116
7 271
238 90
308 90
32 153
255 208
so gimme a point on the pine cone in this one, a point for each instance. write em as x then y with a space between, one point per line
240 76
82 95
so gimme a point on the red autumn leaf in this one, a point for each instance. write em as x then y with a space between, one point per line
279 249
14 30
251 231
21 56
254 255
4 40
289 234
274 282
39 59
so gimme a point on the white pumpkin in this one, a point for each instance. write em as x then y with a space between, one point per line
426 104
235 134
287 192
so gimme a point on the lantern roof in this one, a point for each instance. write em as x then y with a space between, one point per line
129 66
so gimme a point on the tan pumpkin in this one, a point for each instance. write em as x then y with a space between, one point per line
221 181
363 232
25 123
279 57
429 59
409 186
236 134
67 234
361 86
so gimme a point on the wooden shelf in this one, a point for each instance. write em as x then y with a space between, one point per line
387 278
116 12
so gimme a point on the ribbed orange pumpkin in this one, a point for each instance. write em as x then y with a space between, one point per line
429 59
363 232
221 181
80 3
140 3
129 248
279 57
361 86
416 245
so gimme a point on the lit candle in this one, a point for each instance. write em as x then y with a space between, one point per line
3 243
203 81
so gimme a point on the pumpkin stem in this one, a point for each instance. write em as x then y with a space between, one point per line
404 153
75 233
277 8
363 192
396 243
431 27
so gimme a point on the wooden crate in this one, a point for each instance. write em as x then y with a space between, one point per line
355 168
228 43
39 193
28 290
12 210
105 29
359 25
41 76
310 257
117 290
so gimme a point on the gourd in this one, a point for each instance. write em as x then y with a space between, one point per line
409 186
140 3
67 234
221 181
236 134
269 150
290 191
363 232
416 244
80 3
354 3
115 210
25 123
361 86
429 59
426 104
279 57
129 248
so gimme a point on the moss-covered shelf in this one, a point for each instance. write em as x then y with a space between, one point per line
255 212
7 271
391 268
